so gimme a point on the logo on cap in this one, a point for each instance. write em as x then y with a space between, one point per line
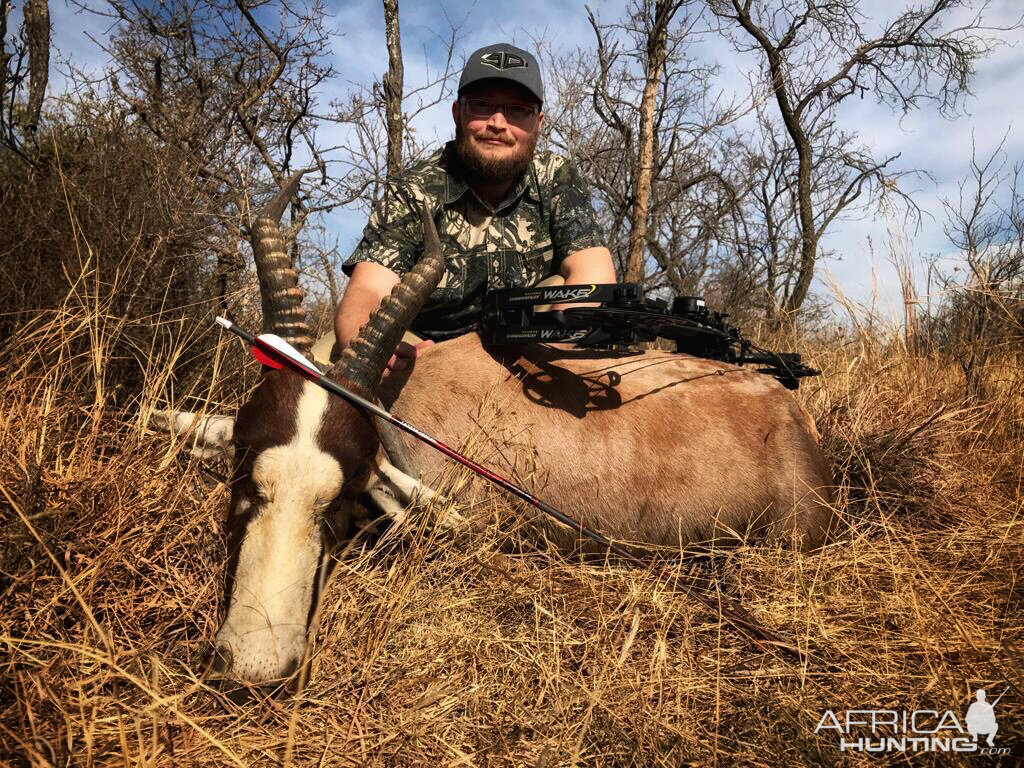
503 60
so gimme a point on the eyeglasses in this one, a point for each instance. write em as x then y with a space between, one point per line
518 114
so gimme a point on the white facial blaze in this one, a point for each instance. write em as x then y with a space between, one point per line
265 630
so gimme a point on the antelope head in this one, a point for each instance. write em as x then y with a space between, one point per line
302 458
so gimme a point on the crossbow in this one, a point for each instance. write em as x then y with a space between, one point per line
625 318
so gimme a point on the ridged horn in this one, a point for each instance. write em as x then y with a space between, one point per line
280 294
363 361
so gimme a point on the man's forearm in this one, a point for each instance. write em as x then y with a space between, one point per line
592 265
353 312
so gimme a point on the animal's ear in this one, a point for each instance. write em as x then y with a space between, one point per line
211 433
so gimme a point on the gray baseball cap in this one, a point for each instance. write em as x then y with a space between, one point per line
503 61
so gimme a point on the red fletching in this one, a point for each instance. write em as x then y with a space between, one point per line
268 354
269 357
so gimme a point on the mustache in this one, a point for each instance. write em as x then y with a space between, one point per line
493 169
494 138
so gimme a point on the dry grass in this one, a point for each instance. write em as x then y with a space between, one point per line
434 651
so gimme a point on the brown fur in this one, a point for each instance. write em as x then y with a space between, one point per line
659 448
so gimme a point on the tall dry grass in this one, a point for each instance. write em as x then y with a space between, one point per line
432 650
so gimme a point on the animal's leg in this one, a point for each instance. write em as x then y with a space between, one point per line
212 433
394 447
394 491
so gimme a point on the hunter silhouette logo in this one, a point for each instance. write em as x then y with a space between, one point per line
981 717
918 730
503 60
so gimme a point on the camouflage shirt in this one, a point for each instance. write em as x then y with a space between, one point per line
546 216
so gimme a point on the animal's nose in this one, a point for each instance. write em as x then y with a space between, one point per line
224 666
242 694
225 678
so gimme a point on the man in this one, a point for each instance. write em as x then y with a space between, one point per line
507 216
981 718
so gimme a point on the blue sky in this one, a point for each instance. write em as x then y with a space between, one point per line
925 140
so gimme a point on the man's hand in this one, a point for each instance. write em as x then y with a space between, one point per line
405 353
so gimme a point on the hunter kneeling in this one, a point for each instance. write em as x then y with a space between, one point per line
508 216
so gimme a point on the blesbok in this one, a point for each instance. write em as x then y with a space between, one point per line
655 447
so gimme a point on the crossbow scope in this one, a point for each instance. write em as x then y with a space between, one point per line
625 318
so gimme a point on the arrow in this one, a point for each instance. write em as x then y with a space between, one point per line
277 353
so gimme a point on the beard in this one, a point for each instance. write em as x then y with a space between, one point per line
493 169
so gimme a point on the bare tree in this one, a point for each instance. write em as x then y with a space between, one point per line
985 223
233 89
638 117
394 85
37 37
7 83
24 61
233 86
379 117
815 56
769 237
654 72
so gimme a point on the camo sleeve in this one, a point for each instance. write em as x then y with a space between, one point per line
573 221
393 236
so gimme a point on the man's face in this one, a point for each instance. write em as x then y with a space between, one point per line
495 146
